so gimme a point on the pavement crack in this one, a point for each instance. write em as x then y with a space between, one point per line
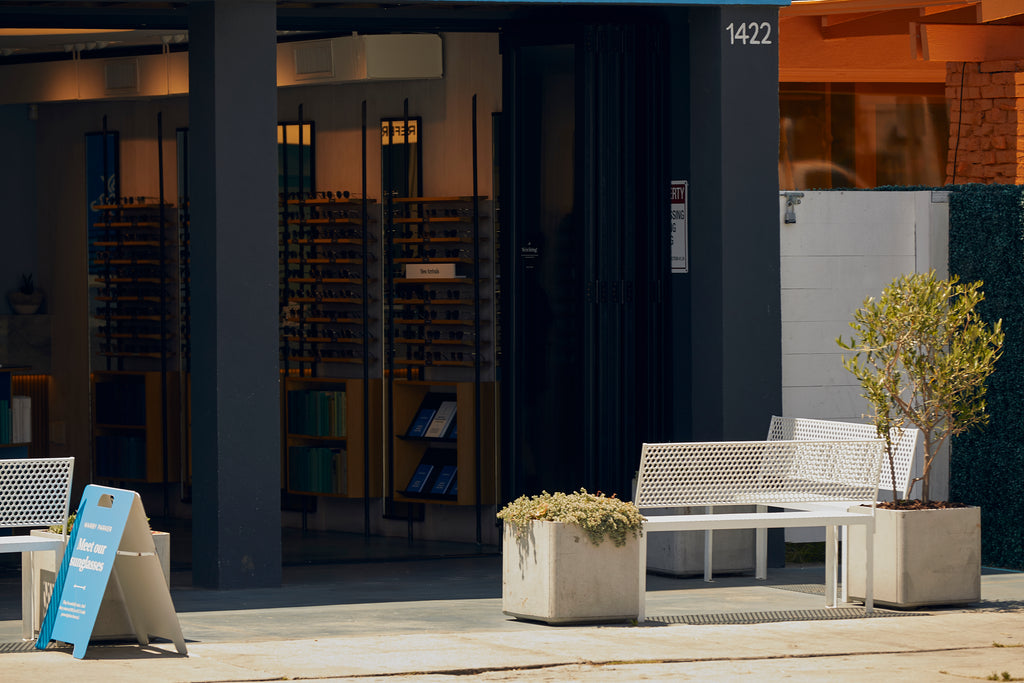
476 671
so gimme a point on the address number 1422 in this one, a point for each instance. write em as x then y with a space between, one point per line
750 33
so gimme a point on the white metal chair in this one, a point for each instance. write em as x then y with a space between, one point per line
34 492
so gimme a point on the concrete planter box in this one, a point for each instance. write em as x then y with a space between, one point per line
111 622
553 573
681 553
922 557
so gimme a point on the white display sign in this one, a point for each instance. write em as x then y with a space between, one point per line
680 230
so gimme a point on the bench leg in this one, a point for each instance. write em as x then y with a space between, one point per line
761 549
831 557
708 553
709 543
869 576
845 564
26 595
641 606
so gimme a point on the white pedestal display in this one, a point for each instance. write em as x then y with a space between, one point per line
922 557
553 573
111 623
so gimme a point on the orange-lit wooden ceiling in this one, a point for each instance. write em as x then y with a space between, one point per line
894 40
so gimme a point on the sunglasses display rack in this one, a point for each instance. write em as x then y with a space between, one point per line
138 309
329 258
438 341
136 304
438 275
329 298
330 322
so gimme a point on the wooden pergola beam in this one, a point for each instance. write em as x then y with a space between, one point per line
823 8
963 43
874 24
1000 10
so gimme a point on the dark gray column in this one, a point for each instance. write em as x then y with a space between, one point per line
235 383
734 231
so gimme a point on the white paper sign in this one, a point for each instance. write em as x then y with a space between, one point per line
680 230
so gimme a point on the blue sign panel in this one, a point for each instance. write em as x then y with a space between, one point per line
87 564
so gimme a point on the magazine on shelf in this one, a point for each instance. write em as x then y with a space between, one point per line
423 419
440 425
420 478
444 480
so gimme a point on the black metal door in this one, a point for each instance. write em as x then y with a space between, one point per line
586 252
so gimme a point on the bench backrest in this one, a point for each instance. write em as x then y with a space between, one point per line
35 492
758 472
904 445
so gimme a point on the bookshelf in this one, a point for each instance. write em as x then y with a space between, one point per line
414 450
15 417
325 439
128 426
439 275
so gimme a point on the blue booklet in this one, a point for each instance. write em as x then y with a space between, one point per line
419 478
444 479
422 421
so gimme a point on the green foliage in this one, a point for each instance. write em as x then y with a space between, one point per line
986 242
27 286
598 515
922 353
59 528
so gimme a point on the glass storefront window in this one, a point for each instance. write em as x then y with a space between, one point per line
844 135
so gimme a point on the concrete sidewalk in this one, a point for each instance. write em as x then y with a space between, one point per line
438 620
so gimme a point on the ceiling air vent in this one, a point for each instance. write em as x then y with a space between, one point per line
121 76
314 60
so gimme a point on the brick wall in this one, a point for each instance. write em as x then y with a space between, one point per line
986 131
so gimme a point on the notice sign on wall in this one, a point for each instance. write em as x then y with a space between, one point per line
680 233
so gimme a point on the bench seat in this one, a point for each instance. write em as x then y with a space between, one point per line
831 484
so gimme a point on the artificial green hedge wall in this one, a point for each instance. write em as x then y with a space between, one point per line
986 242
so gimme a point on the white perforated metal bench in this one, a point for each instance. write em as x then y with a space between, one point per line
810 429
34 493
830 484
904 449
905 446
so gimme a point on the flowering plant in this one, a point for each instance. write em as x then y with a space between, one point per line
598 515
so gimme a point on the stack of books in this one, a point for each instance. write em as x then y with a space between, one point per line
317 413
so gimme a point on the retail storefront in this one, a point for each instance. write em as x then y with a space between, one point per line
466 215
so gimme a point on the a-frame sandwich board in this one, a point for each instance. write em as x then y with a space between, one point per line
110 542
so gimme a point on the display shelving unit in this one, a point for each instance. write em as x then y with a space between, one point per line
438 346
330 321
13 443
136 298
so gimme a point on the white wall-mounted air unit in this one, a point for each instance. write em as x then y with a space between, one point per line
389 57
121 76
314 60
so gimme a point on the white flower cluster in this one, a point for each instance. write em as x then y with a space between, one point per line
598 515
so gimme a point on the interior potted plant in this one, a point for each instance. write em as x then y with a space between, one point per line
922 353
27 298
570 558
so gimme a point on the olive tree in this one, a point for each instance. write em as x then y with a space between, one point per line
922 353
